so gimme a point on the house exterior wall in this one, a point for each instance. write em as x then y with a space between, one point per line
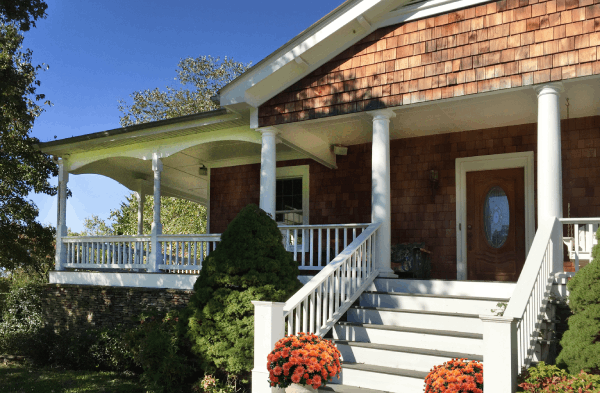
343 195
499 45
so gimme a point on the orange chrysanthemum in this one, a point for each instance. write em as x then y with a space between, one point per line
455 376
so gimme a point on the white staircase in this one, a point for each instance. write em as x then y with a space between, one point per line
402 328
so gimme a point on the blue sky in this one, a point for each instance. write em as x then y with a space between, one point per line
100 52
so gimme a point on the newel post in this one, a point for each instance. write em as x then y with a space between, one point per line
61 224
268 329
500 354
155 254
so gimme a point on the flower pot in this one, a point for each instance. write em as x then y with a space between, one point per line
297 388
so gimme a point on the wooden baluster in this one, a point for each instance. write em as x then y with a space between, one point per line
328 246
303 246
319 309
196 253
337 241
320 256
305 311
345 237
311 250
296 245
313 305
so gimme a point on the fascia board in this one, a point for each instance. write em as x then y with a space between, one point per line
64 146
424 10
235 92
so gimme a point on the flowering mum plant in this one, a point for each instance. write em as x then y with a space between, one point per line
455 376
306 359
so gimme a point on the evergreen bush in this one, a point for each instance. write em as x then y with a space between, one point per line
250 263
581 342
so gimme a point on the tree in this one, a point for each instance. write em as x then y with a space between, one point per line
178 216
581 342
23 169
250 263
200 78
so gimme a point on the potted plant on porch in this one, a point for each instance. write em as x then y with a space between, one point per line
303 363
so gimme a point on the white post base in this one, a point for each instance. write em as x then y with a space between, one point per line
500 354
268 329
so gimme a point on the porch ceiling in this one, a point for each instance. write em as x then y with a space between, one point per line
485 110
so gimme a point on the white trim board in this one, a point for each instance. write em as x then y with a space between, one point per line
485 163
303 171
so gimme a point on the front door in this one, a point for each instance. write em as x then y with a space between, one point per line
495 224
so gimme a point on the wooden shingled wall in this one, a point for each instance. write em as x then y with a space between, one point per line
499 45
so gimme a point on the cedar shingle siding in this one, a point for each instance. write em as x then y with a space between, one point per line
504 44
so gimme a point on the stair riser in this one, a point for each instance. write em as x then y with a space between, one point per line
386 382
427 303
377 357
442 287
414 320
415 340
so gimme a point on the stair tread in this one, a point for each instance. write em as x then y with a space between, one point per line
420 351
449 333
347 389
492 299
442 313
385 370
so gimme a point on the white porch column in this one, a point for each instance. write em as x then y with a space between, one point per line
61 224
500 354
268 170
549 162
268 329
156 255
380 189
141 197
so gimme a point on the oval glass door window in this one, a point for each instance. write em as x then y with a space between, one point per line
496 217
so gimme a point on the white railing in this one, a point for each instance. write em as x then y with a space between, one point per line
327 296
185 253
107 252
314 246
530 297
580 237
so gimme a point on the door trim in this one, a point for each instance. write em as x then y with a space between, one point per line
485 163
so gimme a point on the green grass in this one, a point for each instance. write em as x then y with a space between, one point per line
21 378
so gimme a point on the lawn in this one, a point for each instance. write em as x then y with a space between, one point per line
19 377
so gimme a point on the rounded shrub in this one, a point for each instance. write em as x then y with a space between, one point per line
581 342
250 263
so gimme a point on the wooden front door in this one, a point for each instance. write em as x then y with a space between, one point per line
495 224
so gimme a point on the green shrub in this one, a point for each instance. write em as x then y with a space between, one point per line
22 321
158 347
250 263
547 378
581 342
111 352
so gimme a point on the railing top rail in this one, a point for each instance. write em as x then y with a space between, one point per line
518 301
195 237
324 226
330 268
582 220
110 238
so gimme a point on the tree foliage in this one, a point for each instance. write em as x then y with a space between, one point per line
178 216
23 168
581 342
250 263
200 79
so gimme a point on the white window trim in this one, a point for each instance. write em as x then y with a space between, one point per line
288 172
485 163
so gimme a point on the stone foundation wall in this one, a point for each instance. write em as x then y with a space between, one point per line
80 307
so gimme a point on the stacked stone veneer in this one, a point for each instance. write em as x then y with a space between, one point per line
80 307
494 46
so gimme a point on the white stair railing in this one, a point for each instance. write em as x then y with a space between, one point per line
185 253
510 339
327 296
314 246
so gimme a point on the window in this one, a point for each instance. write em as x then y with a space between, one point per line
291 195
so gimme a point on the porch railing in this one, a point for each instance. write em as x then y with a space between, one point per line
185 253
580 237
107 252
320 303
314 246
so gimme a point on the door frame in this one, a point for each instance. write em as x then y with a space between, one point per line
523 160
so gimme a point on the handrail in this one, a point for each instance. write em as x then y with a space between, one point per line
108 238
319 304
531 294
583 220
324 226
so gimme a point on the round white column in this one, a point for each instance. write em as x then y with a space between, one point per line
157 169
549 170
141 197
61 224
268 170
380 189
